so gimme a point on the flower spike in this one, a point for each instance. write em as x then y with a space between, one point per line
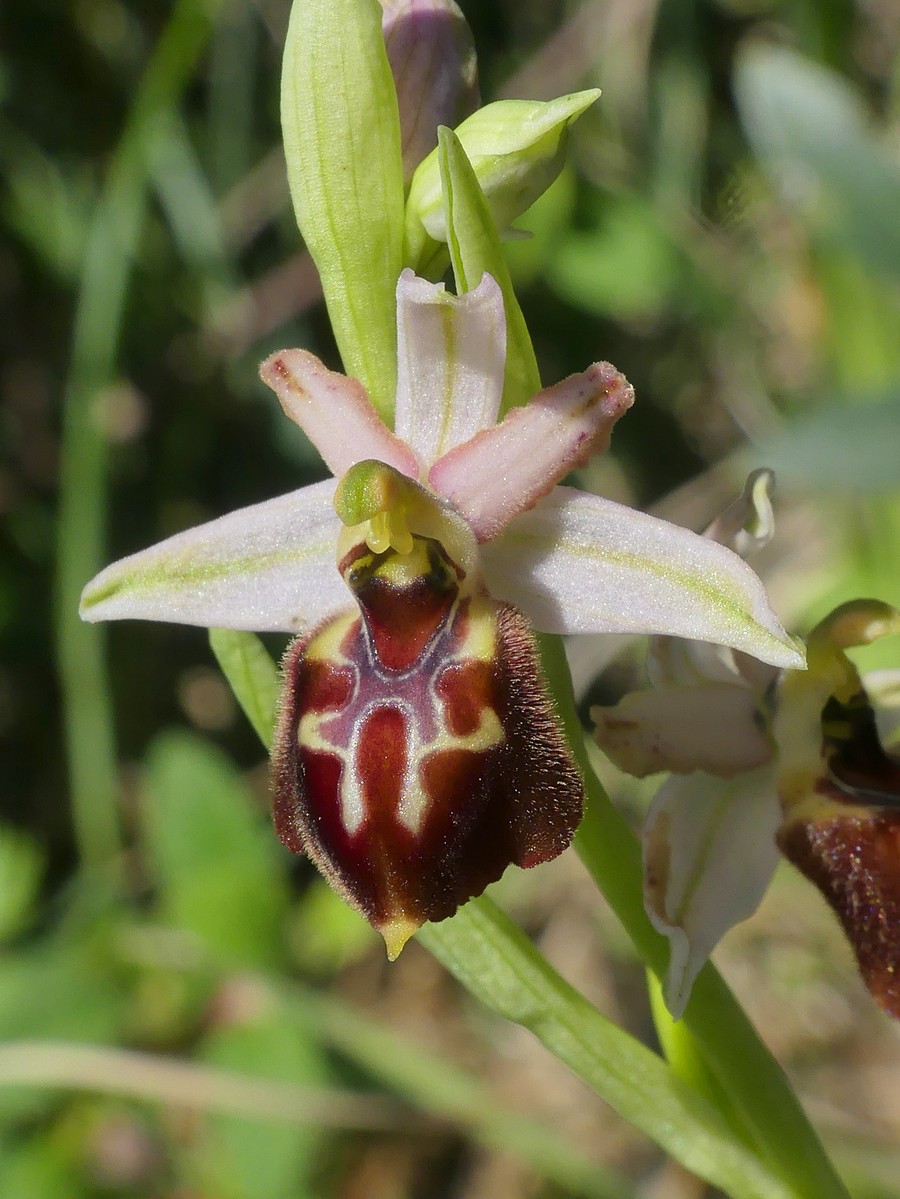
418 752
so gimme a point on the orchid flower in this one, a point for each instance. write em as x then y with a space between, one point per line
418 752
762 759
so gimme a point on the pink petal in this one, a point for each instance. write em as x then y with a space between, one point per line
334 412
506 469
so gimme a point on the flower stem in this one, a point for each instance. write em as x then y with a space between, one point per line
739 1061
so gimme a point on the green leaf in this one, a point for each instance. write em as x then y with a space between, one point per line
253 676
342 146
812 135
625 267
38 1167
261 1159
475 248
214 858
499 965
56 990
326 934
21 868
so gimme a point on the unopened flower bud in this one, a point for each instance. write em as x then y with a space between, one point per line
516 148
432 57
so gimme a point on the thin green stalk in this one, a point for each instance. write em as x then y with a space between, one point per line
743 1066
495 960
81 528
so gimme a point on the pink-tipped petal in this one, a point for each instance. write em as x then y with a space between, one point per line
267 567
506 469
577 563
451 353
334 412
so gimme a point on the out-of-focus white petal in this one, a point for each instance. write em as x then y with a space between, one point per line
672 662
745 527
577 563
709 855
507 468
268 567
713 727
883 687
749 523
334 412
451 352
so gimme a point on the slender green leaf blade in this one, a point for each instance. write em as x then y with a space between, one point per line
498 964
253 676
741 1063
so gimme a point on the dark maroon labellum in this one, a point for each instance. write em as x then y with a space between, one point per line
418 753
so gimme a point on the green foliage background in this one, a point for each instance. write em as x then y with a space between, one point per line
728 234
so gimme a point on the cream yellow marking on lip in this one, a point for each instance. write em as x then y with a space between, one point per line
396 933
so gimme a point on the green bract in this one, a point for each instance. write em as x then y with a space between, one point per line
516 147
342 148
475 247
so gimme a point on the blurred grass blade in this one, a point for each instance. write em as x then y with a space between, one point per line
811 133
342 147
742 1065
253 676
475 248
498 964
65 1064
106 269
433 1084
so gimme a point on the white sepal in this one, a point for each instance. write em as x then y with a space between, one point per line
270 567
577 563
709 855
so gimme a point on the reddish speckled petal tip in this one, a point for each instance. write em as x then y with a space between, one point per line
334 412
506 469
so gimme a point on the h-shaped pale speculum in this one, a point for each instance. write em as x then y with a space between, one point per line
417 748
